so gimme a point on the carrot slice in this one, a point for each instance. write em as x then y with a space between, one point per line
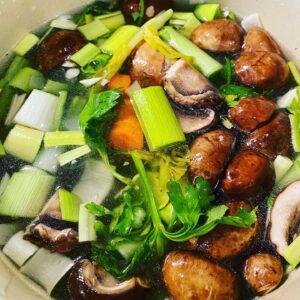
120 81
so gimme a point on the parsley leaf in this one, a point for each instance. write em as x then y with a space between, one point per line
242 218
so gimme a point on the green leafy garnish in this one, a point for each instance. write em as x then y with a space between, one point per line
138 16
227 71
294 109
238 91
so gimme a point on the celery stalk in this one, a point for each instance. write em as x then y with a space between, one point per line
113 20
86 229
292 253
28 42
85 55
294 72
64 24
69 156
187 22
157 118
69 205
281 165
2 150
60 109
93 30
24 142
295 125
160 20
202 61
54 87
4 182
64 138
208 11
16 65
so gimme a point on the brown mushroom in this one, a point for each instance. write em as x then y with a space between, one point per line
226 241
257 39
209 153
89 281
57 48
220 35
263 272
262 70
251 112
148 66
188 277
248 175
273 138
189 89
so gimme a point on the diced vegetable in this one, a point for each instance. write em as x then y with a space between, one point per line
90 82
113 20
251 21
120 81
26 193
294 108
286 100
69 206
47 159
97 64
281 165
16 104
28 79
26 44
157 118
64 138
294 72
126 133
59 111
72 155
185 22
3 183
202 61
39 111
93 30
6 97
63 24
85 55
19 250
208 12
160 20
132 89
7 231
47 268
86 229
24 142
2 150
54 87
292 253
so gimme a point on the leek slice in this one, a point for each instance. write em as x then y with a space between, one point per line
202 61
47 159
132 89
19 250
294 72
4 182
7 231
59 111
55 87
93 30
281 165
2 150
69 205
24 142
112 21
85 54
292 253
26 193
86 229
16 104
72 155
26 44
157 118
64 138
47 268
187 22
208 11
39 111
63 24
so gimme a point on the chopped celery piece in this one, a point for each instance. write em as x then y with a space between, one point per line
64 24
47 159
28 42
60 109
26 193
3 183
28 79
109 15
85 55
295 124
132 89
2 150
16 104
160 20
292 253
54 87
16 65
157 118
86 229
93 30
24 142
292 175
202 61
69 205
281 165
208 12
69 156
113 22
294 72
64 138
38 111
187 22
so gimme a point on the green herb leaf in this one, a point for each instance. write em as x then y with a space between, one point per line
242 218
138 16
227 71
98 210
238 90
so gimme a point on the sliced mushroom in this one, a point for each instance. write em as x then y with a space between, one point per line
263 272
284 215
251 112
188 88
272 139
189 277
257 39
226 241
57 48
148 66
209 153
220 35
89 281
197 123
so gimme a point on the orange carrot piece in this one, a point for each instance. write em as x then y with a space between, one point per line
120 81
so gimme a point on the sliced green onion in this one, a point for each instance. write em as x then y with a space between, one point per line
2 150
292 253
55 87
3 183
93 30
24 143
16 104
202 61
47 159
69 205
70 156
294 72
208 12
60 110
85 55
64 138
26 193
7 231
28 79
157 118
26 44
86 229
281 165
63 24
